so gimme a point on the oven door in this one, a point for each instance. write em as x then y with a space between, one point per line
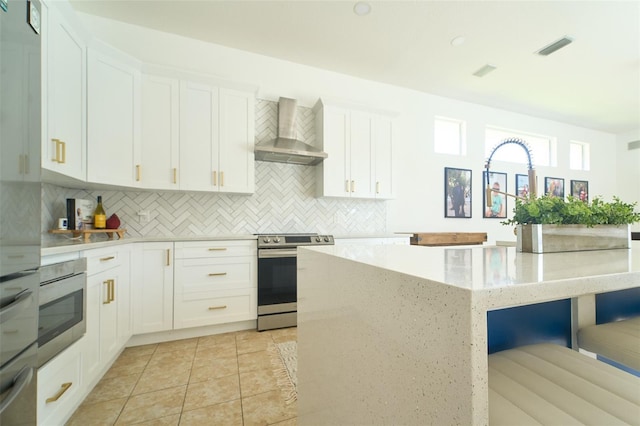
277 277
18 384
62 315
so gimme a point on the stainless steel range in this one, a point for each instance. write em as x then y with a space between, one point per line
277 277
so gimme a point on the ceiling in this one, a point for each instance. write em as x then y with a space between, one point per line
593 82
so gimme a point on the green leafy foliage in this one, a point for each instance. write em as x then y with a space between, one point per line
556 211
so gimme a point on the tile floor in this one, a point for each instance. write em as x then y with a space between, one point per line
224 379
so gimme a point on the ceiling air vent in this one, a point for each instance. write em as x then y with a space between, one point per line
556 45
484 70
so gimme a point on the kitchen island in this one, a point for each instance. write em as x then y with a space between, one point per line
398 334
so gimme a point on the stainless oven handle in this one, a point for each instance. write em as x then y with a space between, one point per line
275 253
12 310
20 382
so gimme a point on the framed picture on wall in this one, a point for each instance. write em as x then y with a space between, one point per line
496 205
457 192
554 186
522 185
580 190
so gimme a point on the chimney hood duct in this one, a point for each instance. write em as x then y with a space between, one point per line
285 148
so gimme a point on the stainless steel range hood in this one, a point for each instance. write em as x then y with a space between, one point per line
286 148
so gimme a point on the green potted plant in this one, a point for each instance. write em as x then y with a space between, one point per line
553 224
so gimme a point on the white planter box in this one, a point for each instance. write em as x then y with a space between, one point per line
559 238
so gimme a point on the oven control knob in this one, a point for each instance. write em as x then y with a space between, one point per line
266 240
276 240
318 239
326 239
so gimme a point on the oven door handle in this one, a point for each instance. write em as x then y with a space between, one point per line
13 309
21 381
275 253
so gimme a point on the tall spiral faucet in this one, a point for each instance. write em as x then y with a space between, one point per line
532 173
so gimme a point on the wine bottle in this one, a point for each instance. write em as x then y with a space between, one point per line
99 216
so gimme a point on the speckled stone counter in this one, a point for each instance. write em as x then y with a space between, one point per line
396 334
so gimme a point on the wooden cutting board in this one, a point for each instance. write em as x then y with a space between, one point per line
447 238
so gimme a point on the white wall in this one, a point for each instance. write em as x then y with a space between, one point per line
419 172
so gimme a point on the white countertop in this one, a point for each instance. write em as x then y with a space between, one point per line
501 274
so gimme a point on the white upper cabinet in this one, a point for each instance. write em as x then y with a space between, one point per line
216 139
158 165
360 145
113 123
64 94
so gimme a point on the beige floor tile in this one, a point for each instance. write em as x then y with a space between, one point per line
162 378
182 357
127 367
217 339
290 422
209 369
254 345
162 421
211 392
227 414
218 351
177 345
257 381
254 361
251 334
284 334
114 388
153 405
267 408
98 414
139 350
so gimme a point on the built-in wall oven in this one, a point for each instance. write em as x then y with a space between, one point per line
277 277
63 304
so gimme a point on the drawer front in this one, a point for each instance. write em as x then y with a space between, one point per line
59 387
229 306
102 259
206 275
212 249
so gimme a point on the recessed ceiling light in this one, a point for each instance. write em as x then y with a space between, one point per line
362 8
484 70
458 41
556 45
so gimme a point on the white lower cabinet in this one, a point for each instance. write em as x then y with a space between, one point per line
215 283
60 386
152 293
108 309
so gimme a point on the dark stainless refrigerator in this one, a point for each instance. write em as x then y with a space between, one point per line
20 200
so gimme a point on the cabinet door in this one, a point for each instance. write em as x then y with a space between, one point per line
113 103
359 157
236 163
160 125
335 130
91 340
382 143
123 300
198 137
152 287
64 146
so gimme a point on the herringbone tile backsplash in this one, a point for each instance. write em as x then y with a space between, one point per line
284 200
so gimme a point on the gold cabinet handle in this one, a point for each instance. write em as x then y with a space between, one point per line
108 299
217 249
377 187
56 150
138 172
213 308
346 186
168 257
104 259
217 274
63 388
27 169
113 290
15 256
353 186
64 152
221 178
215 178
175 175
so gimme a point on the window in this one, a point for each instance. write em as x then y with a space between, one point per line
579 155
543 148
449 136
